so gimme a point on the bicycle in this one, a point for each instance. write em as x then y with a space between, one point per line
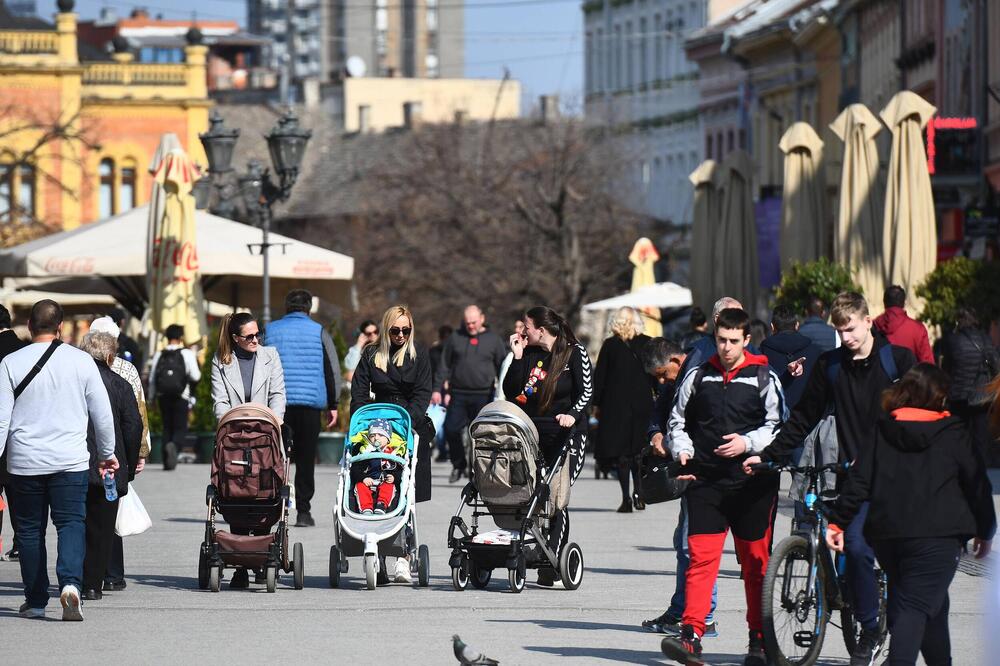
805 583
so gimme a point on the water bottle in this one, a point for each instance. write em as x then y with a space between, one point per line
110 488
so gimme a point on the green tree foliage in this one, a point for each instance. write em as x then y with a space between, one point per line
204 409
961 282
822 278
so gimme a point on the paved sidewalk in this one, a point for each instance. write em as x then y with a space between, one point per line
163 618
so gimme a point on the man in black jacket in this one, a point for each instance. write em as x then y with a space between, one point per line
470 362
9 342
851 378
728 407
790 354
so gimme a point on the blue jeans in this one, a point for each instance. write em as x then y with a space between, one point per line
680 547
65 493
860 562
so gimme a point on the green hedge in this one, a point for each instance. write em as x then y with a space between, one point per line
961 282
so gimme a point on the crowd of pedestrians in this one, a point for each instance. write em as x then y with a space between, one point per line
731 392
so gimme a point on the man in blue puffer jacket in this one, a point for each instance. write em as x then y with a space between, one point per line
312 369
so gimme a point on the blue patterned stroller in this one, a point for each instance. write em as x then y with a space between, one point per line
373 536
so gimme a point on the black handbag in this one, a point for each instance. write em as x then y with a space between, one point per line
658 482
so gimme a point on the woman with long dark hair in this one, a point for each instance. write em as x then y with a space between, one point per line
244 370
550 378
928 494
394 370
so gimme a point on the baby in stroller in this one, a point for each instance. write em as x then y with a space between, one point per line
376 490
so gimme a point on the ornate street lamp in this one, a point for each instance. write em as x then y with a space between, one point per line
286 143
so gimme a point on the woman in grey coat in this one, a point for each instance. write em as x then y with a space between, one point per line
244 370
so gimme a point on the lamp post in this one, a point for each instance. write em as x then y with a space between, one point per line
286 144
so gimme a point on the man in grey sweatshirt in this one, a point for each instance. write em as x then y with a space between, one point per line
470 361
44 415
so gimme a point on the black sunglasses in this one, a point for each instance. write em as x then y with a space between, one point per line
252 336
397 331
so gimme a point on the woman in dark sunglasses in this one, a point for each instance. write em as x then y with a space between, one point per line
244 370
393 369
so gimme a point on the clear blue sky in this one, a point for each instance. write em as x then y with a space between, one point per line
540 41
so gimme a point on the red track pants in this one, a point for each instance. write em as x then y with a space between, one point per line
367 497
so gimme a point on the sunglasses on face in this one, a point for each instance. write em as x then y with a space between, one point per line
395 331
251 337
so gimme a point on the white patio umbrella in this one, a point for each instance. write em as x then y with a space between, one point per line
910 230
805 235
860 219
109 257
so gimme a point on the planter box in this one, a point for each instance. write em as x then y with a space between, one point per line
155 449
330 448
206 446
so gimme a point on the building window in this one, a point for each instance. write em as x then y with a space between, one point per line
629 57
364 117
26 200
126 194
643 55
708 147
600 72
743 139
6 178
106 194
618 78
658 48
731 144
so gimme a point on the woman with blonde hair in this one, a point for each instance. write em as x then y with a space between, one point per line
244 370
393 369
623 402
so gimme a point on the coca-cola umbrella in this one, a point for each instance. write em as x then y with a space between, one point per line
109 257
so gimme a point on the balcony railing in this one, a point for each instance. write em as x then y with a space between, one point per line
29 42
134 74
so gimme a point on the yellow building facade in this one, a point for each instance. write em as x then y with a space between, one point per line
77 135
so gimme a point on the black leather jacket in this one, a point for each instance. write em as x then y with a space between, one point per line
965 352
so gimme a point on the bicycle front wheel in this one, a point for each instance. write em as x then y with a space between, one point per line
794 616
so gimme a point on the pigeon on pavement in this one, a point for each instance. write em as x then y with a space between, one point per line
468 656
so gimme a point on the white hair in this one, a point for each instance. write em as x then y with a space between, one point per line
723 303
626 323
100 345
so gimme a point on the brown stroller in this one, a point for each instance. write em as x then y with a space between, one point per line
250 489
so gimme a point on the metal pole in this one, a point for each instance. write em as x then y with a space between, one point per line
264 250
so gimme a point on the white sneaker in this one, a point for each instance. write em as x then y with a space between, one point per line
402 572
70 600
33 613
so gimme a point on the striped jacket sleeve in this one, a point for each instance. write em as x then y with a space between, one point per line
774 412
680 441
583 382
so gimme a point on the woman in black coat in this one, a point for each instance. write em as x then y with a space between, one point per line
928 494
971 360
623 398
393 370
102 514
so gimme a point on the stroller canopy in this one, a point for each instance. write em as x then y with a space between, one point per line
506 412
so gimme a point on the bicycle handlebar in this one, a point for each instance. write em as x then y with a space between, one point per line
838 467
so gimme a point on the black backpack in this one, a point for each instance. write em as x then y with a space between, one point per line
171 373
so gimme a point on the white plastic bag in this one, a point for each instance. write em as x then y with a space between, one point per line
132 516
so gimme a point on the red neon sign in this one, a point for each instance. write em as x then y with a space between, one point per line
943 124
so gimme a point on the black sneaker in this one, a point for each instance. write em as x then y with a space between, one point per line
240 580
867 648
685 648
305 519
659 624
114 585
379 508
13 555
547 577
456 475
92 594
755 650
169 456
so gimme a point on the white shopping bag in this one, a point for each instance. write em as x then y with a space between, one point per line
132 516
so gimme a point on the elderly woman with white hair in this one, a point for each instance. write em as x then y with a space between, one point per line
101 513
623 401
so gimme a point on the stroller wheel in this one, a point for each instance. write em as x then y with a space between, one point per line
298 567
202 568
423 566
371 571
272 579
460 574
571 566
334 566
515 577
480 577
214 578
